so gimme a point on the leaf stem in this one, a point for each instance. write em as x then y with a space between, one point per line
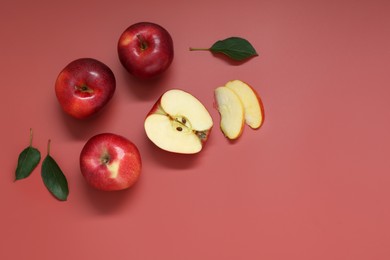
31 136
48 147
199 49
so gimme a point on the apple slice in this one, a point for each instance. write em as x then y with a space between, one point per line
253 106
231 110
178 122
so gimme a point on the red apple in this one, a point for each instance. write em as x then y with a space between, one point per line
84 87
145 49
110 162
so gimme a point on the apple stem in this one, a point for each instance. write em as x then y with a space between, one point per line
199 49
84 88
144 45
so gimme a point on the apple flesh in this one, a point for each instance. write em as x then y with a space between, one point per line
145 50
231 110
110 162
253 106
179 123
84 87
238 103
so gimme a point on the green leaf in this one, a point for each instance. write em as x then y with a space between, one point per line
53 178
28 160
235 48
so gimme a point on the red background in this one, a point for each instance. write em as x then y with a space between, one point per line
312 183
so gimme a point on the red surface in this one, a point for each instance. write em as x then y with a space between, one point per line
312 183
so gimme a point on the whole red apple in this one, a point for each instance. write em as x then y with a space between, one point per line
84 87
145 49
110 162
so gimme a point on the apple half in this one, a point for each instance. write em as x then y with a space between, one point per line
253 106
178 122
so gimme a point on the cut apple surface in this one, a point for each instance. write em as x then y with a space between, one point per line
231 110
253 106
178 122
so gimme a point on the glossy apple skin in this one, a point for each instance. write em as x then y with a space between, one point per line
145 50
110 162
84 87
261 106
